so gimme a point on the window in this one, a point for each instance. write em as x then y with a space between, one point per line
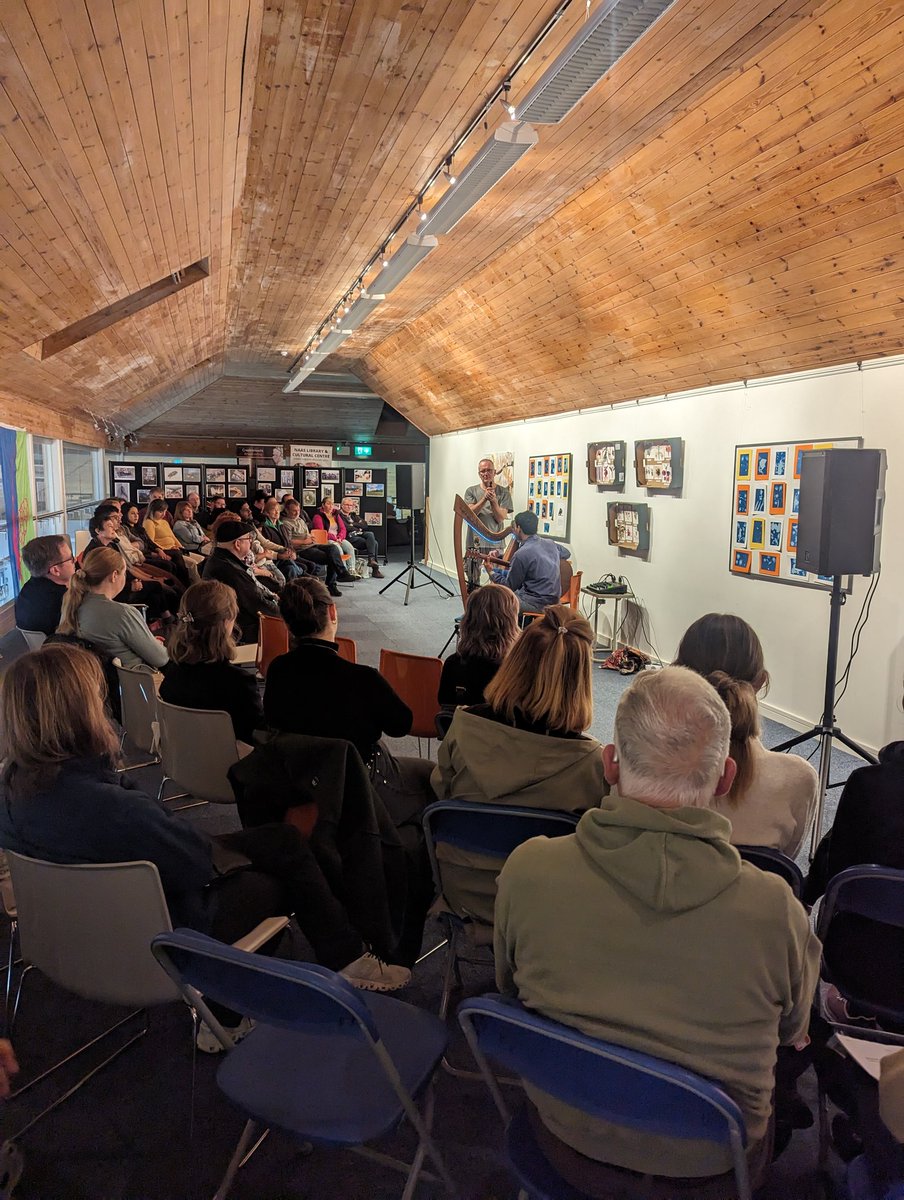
6 578
81 476
47 476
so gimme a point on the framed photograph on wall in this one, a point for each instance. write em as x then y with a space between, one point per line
765 507
216 475
143 495
354 489
329 475
659 464
172 474
374 489
149 476
123 474
309 498
215 489
549 493
121 490
287 479
191 474
373 518
266 474
237 475
311 477
173 491
236 491
363 476
606 464
265 486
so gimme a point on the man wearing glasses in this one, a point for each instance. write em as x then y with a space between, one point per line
51 565
226 563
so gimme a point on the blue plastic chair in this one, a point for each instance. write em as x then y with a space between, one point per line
624 1087
324 1064
776 863
491 829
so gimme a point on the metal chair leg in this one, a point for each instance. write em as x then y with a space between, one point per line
11 962
235 1162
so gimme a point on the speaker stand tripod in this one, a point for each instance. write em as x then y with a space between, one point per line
827 731
410 569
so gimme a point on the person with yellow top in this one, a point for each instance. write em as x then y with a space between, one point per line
160 532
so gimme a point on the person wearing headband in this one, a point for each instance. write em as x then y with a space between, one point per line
526 745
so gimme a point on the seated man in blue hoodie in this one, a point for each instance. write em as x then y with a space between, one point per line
534 575
645 928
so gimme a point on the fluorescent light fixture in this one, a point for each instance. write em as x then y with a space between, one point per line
360 311
412 251
600 42
494 158
304 369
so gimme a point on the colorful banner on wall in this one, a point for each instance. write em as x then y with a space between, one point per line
17 500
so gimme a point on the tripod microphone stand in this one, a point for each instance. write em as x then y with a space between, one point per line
827 730
408 572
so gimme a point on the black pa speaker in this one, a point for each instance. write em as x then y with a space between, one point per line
842 494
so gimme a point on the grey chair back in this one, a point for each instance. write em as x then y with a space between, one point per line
197 749
12 646
138 695
34 638
89 928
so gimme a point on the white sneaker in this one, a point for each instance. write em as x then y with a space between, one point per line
208 1042
373 975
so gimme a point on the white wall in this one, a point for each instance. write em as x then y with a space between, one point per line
686 573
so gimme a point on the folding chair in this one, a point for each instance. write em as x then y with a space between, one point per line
82 538
874 894
348 649
272 641
625 1087
775 863
572 595
8 899
138 699
325 1064
197 748
12 646
34 638
88 928
493 830
320 537
415 677
443 722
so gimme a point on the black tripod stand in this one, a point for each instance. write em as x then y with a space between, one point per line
409 570
827 730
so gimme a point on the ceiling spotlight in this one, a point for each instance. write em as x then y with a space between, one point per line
284 353
383 258
423 216
447 171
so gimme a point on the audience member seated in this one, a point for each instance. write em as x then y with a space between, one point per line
160 598
132 530
226 563
362 539
349 700
488 630
525 746
195 501
154 495
89 612
215 507
158 526
187 530
534 575
50 564
646 928
355 703
773 795
293 529
201 649
63 801
329 518
258 501
274 556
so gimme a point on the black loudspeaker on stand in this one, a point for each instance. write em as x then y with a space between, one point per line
411 488
842 493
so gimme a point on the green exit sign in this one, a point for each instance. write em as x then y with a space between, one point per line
363 451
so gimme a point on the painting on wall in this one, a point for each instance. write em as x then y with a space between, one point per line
549 493
659 464
606 464
629 527
765 508
504 464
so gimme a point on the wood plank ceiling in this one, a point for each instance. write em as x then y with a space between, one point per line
728 202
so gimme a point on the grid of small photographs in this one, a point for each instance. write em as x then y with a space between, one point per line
606 464
629 526
549 493
765 507
659 464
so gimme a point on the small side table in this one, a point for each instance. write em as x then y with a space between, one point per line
616 598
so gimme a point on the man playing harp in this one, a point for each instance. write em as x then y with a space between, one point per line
491 503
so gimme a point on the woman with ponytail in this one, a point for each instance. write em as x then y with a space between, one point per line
525 746
89 612
773 795
201 648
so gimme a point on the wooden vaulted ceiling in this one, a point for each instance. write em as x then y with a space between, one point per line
728 202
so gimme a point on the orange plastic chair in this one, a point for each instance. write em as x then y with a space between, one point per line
321 538
415 677
348 649
572 596
272 640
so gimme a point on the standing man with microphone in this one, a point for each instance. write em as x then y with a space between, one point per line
491 503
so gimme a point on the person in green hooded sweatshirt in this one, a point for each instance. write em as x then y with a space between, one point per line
645 928
525 746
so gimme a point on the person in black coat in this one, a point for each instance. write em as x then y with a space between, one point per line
488 630
51 564
201 674
226 562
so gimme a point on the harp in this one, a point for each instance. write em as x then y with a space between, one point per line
464 517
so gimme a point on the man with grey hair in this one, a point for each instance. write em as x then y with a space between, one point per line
491 503
645 928
51 565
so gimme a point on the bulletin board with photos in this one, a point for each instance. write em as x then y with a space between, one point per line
765 507
367 487
549 493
